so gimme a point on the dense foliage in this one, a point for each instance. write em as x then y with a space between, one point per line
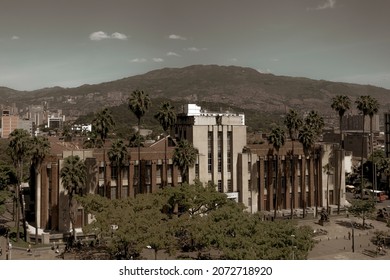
194 221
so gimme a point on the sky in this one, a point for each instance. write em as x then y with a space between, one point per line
45 43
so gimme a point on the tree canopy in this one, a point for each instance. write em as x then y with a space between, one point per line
209 225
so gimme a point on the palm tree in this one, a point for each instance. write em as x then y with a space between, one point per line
167 118
306 136
19 148
118 155
184 157
139 103
293 122
73 176
373 110
315 122
40 148
363 105
277 139
341 104
102 124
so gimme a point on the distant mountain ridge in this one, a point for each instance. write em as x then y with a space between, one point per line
241 87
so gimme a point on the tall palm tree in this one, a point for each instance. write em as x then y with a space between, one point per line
184 157
373 110
277 139
293 122
102 123
315 122
118 155
307 137
73 176
167 118
40 148
341 104
139 103
363 105
19 148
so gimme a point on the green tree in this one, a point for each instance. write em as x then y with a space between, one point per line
19 148
167 118
73 176
293 121
40 148
139 103
92 141
102 123
184 157
362 208
363 105
118 156
136 140
276 138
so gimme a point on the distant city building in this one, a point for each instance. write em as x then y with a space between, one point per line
355 123
10 122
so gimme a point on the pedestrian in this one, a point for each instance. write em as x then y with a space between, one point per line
29 248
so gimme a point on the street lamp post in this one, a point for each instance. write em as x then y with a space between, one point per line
353 237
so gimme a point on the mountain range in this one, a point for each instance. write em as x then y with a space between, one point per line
230 86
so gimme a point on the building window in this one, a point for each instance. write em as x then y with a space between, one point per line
135 178
197 171
249 167
209 151
219 147
125 191
148 174
125 172
101 190
249 185
114 172
230 185
159 170
220 189
229 151
101 172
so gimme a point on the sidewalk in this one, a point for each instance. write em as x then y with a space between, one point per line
336 245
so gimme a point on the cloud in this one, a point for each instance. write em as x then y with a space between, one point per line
100 35
15 37
138 60
195 49
176 37
157 59
172 54
329 4
119 36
